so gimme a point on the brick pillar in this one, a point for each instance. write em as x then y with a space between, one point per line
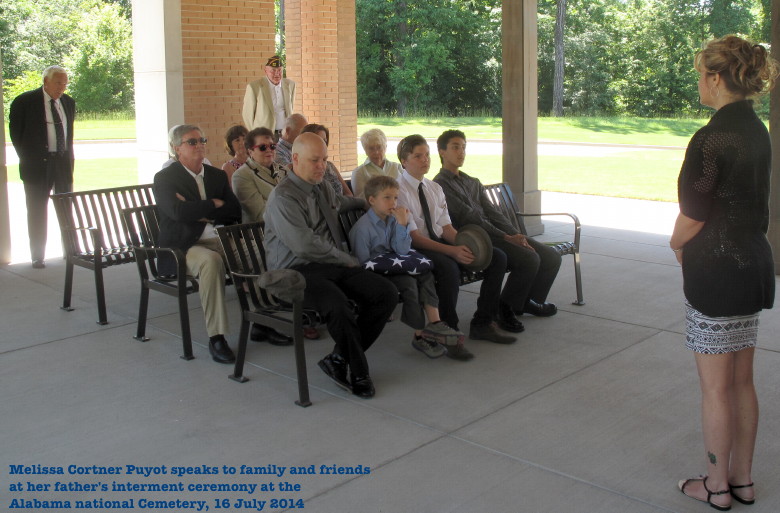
225 44
321 59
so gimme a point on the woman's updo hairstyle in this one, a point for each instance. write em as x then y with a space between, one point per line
746 68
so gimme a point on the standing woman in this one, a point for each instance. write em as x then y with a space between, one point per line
720 240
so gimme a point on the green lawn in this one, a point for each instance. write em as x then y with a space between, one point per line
96 174
631 174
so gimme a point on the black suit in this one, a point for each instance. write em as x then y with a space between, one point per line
40 167
179 220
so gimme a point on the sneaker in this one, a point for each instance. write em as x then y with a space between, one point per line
441 333
490 333
429 348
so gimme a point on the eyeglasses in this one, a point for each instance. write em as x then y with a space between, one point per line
194 141
263 147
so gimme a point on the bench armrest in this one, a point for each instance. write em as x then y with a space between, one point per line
577 225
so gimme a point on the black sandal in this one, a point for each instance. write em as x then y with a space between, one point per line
737 498
682 484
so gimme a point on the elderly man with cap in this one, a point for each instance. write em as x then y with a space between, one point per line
532 265
269 101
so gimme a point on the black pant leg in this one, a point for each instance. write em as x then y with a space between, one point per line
549 265
447 274
37 200
376 299
490 290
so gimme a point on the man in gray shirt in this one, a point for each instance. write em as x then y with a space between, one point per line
532 265
302 233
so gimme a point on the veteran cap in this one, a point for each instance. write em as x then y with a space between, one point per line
274 62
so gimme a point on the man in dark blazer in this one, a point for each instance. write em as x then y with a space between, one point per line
41 129
192 198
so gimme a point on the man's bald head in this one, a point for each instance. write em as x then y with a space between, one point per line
293 126
309 158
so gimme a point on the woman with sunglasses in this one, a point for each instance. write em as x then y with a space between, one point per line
332 175
254 181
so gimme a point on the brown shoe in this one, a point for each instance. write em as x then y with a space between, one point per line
490 333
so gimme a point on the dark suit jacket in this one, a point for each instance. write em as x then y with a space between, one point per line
27 128
179 220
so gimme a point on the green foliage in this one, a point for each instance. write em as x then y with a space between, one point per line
102 63
428 55
90 38
14 87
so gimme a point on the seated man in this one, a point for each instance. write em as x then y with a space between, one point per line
292 129
302 232
533 266
191 198
434 237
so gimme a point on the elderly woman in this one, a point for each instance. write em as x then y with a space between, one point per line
234 145
332 175
254 181
375 145
728 277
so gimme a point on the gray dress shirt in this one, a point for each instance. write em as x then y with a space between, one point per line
468 203
296 232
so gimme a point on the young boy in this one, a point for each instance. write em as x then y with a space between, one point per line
385 229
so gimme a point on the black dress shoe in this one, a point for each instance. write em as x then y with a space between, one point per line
507 321
260 333
335 368
363 387
540 310
39 264
220 350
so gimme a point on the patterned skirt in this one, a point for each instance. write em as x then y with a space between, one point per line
718 335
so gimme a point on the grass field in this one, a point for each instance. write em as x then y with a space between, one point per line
650 174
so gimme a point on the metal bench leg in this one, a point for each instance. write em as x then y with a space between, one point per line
300 356
68 287
238 369
101 295
184 316
140 333
578 278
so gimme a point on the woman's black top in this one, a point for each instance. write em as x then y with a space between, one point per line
724 182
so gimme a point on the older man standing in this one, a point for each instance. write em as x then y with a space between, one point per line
193 197
41 129
302 233
292 129
269 101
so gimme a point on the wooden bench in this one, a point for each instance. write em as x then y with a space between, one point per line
93 235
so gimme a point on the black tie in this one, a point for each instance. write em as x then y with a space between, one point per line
330 217
55 116
426 213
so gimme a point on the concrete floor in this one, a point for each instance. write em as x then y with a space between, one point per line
593 410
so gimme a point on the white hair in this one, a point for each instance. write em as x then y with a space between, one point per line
374 135
53 70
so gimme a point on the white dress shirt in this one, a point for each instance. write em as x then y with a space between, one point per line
437 204
51 132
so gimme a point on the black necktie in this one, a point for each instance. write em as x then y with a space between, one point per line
55 116
426 213
330 217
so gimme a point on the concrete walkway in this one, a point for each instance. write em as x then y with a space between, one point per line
594 410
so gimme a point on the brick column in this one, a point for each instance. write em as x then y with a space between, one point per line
193 60
321 59
225 44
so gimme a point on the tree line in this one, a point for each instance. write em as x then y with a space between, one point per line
621 57
439 57
92 39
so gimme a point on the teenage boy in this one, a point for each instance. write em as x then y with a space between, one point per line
434 237
382 235
533 266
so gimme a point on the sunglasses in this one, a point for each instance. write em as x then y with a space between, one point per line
263 147
194 142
